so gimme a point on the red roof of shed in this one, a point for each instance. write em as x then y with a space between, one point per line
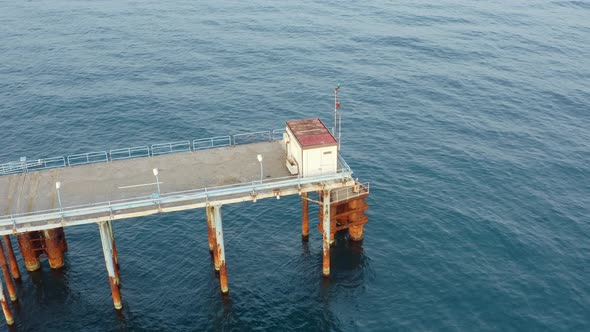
311 132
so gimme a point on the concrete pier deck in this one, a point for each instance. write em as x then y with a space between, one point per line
127 188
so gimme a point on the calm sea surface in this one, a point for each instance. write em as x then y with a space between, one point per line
471 120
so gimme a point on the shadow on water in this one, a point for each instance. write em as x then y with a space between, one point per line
347 256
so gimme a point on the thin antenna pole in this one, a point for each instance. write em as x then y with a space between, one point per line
339 129
335 108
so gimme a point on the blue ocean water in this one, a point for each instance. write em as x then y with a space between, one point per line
469 118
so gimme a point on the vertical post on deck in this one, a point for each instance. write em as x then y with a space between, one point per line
106 240
304 217
327 232
7 277
11 258
211 219
220 249
5 307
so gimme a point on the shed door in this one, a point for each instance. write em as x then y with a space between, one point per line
328 161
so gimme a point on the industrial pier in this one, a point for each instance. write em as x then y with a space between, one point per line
39 198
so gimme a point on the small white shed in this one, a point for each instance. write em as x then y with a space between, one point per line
311 148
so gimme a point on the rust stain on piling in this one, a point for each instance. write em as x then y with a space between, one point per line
7 277
28 251
53 248
6 310
116 293
11 258
326 260
304 217
223 278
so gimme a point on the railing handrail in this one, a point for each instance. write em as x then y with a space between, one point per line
17 167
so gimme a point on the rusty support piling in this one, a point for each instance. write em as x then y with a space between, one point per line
11 258
210 230
211 218
220 249
107 240
5 307
27 250
304 217
7 277
114 253
355 233
53 248
326 235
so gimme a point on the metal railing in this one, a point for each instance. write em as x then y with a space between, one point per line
260 136
343 194
88 158
167 148
129 153
213 142
17 167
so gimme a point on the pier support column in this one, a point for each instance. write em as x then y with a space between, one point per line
355 233
5 307
107 240
7 277
11 257
304 217
327 232
114 253
210 230
213 244
54 248
27 250
220 249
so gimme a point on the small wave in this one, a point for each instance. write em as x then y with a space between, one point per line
573 4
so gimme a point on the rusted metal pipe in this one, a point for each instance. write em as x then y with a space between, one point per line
326 234
211 217
27 250
11 258
53 248
220 249
114 253
210 227
355 233
5 307
7 277
106 240
304 217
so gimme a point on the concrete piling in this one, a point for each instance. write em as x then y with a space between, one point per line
304 217
7 277
5 307
326 232
14 270
220 249
28 251
107 249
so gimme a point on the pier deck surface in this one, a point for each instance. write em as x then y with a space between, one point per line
126 179
127 188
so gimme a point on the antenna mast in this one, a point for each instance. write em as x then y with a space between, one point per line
336 107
